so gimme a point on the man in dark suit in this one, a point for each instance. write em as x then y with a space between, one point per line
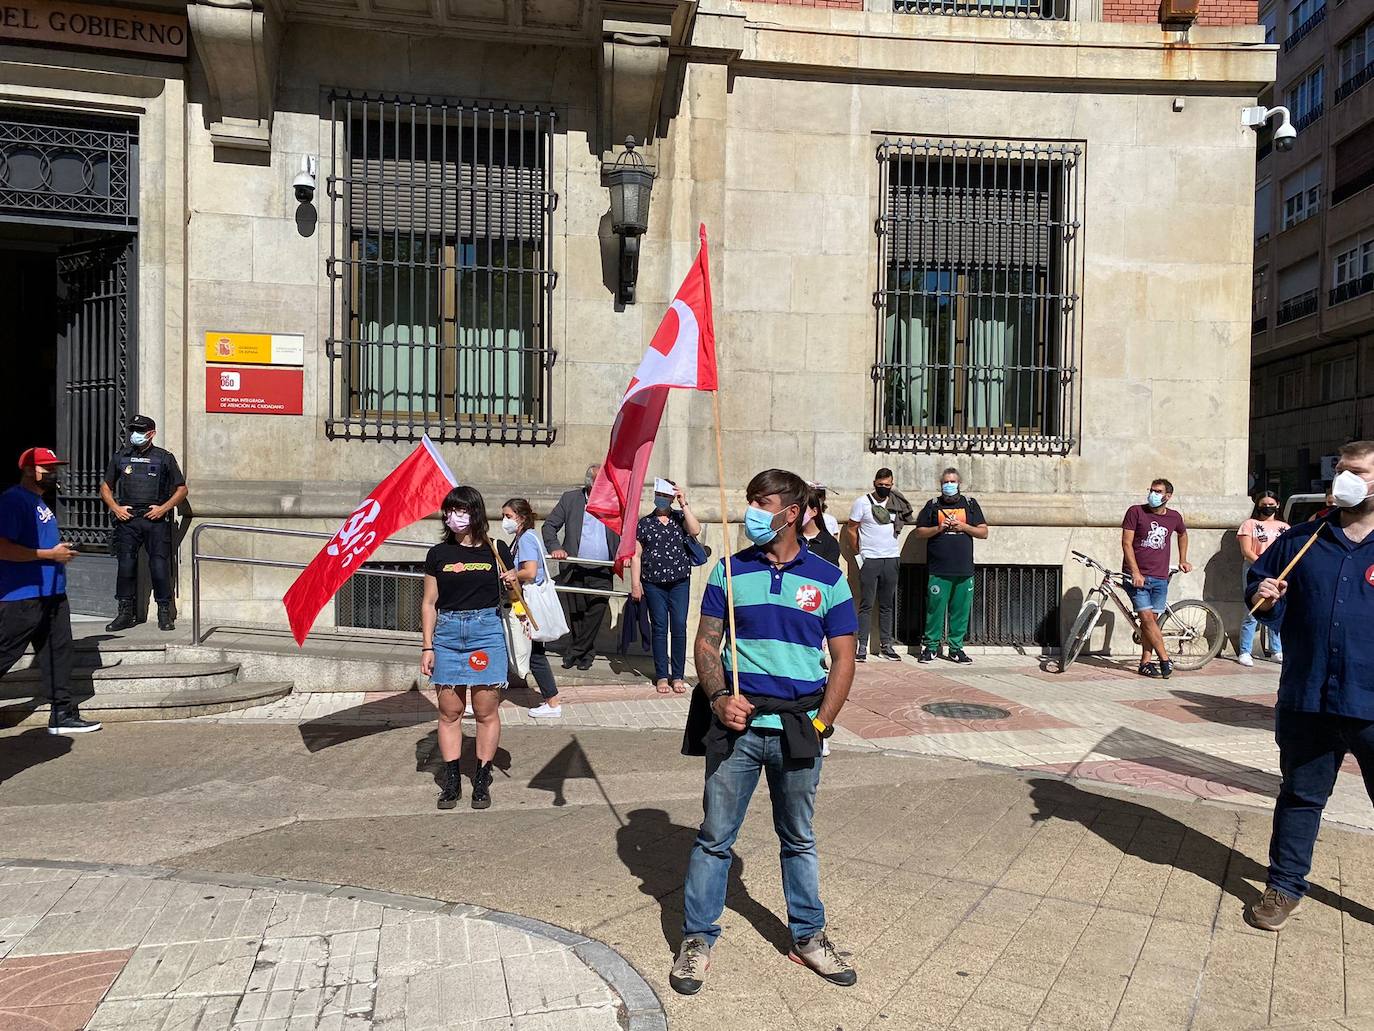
584 536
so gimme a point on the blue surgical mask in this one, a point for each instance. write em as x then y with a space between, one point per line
661 503
758 525
949 490
1154 498
138 439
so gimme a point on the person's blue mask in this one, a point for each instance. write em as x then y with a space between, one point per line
1155 498
758 525
949 490
661 503
138 439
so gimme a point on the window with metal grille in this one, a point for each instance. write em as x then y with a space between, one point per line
377 598
441 307
1048 10
1013 606
978 266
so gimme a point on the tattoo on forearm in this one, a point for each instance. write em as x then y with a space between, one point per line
706 652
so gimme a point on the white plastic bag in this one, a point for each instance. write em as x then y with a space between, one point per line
542 601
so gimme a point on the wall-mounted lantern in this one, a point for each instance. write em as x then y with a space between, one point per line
630 181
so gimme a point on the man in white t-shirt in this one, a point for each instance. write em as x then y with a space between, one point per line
875 520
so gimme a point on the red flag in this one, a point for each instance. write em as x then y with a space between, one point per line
681 355
414 489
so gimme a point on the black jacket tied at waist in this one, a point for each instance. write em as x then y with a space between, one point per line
706 735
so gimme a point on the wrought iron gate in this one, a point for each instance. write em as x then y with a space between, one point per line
95 373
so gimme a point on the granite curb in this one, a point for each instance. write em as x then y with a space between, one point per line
640 1008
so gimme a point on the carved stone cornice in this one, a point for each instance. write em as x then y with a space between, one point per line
237 44
636 41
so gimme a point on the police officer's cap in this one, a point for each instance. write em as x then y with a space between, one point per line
142 424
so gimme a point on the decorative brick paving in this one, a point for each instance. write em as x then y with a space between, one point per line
56 993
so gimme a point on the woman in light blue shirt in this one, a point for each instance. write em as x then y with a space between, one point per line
517 519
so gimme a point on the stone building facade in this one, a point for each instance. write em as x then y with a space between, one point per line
1014 236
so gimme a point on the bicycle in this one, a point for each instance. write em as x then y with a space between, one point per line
1193 630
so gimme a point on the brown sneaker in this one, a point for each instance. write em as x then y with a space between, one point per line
819 953
689 969
1272 910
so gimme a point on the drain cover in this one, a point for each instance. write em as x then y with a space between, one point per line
965 711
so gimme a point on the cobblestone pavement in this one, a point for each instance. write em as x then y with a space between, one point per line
1207 734
141 949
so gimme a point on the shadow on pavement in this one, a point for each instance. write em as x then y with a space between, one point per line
1148 750
1168 843
29 749
372 717
428 759
571 763
1230 712
655 850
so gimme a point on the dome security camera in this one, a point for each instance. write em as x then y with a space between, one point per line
1285 136
303 186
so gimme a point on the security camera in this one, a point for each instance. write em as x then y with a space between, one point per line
304 183
1285 136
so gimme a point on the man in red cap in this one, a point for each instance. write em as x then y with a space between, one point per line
33 587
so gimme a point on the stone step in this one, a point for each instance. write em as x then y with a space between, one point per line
100 652
113 707
131 678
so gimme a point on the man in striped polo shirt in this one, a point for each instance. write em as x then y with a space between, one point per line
787 602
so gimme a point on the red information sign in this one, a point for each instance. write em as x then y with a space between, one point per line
252 390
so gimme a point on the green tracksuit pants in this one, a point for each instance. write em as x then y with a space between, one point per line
950 596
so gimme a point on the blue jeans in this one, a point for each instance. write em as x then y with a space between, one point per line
668 604
1312 746
730 784
1250 624
1154 595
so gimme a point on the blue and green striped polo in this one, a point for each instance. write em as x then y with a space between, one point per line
782 617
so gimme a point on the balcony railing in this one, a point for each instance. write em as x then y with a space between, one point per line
1298 307
1309 117
1353 83
1305 29
1259 325
1042 10
1351 289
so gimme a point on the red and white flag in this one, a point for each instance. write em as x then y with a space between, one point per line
414 489
682 355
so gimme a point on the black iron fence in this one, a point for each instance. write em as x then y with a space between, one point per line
1046 10
1013 605
1305 29
1351 289
1353 83
1299 307
441 310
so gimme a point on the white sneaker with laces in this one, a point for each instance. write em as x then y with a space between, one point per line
1246 659
546 712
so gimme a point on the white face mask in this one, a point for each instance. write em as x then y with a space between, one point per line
509 525
1349 489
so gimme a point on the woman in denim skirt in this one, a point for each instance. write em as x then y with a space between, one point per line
465 639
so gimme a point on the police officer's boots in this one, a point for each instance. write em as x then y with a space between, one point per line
124 618
164 616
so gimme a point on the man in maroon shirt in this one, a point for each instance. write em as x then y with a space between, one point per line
1145 545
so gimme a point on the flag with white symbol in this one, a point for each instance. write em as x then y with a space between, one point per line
682 355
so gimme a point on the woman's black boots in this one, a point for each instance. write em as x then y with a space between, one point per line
451 786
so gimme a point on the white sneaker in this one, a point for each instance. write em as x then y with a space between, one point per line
546 712
1245 659
1277 657
825 747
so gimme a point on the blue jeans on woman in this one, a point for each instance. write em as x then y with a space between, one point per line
1312 746
1250 624
730 784
668 604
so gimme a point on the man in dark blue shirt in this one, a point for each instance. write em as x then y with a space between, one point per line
33 587
1325 609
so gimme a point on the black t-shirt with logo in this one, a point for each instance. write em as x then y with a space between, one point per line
467 577
950 553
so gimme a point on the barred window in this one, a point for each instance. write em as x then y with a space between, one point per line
1051 10
978 274
442 288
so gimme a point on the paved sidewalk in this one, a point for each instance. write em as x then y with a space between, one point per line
1207 734
111 948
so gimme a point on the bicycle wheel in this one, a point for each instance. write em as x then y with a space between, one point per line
1081 633
1193 633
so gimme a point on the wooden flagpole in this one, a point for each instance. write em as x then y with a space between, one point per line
726 546
1289 568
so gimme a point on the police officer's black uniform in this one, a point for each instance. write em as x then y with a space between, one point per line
141 478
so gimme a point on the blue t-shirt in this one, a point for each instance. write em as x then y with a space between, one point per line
527 549
26 520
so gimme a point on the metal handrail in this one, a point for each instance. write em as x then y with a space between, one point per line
271 531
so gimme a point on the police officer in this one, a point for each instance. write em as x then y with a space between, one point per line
143 486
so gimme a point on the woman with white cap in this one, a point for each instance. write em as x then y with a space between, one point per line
661 574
